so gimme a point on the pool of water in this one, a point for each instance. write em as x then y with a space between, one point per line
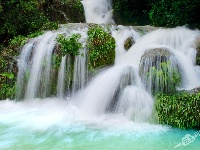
53 124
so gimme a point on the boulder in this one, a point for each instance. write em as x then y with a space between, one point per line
159 71
156 55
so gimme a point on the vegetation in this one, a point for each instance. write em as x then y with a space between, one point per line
164 79
171 13
69 45
101 47
180 109
131 12
165 13
63 11
8 73
20 17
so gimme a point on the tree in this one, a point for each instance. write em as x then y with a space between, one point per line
134 12
19 17
171 13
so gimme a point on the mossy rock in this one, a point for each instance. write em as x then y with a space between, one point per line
159 71
128 43
157 55
101 47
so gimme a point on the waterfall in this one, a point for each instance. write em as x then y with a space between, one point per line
180 42
43 50
98 11
23 67
126 87
61 78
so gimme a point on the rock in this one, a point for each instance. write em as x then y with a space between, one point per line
193 91
144 29
159 71
128 43
197 45
156 55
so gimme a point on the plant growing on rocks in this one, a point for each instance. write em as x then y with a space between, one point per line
69 45
101 47
179 110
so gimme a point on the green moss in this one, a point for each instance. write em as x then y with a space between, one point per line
101 47
180 110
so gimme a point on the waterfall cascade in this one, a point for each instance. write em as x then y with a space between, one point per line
118 89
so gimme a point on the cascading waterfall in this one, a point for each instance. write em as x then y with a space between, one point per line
107 92
36 67
62 101
23 66
41 58
180 42
98 11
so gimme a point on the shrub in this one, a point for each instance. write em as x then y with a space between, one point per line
69 45
101 47
171 13
180 110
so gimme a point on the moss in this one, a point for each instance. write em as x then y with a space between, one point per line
180 110
101 47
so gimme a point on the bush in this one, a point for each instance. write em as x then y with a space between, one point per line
180 110
171 13
101 47
69 45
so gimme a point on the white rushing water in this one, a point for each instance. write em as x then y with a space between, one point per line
117 89
180 42
61 78
98 11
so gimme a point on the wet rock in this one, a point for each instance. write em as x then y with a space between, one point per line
144 29
156 55
193 91
159 71
128 43
197 44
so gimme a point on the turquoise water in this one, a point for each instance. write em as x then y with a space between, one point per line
53 124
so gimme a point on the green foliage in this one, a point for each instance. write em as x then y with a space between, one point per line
179 110
101 47
21 17
7 76
171 13
134 12
64 11
165 79
21 40
7 85
69 45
